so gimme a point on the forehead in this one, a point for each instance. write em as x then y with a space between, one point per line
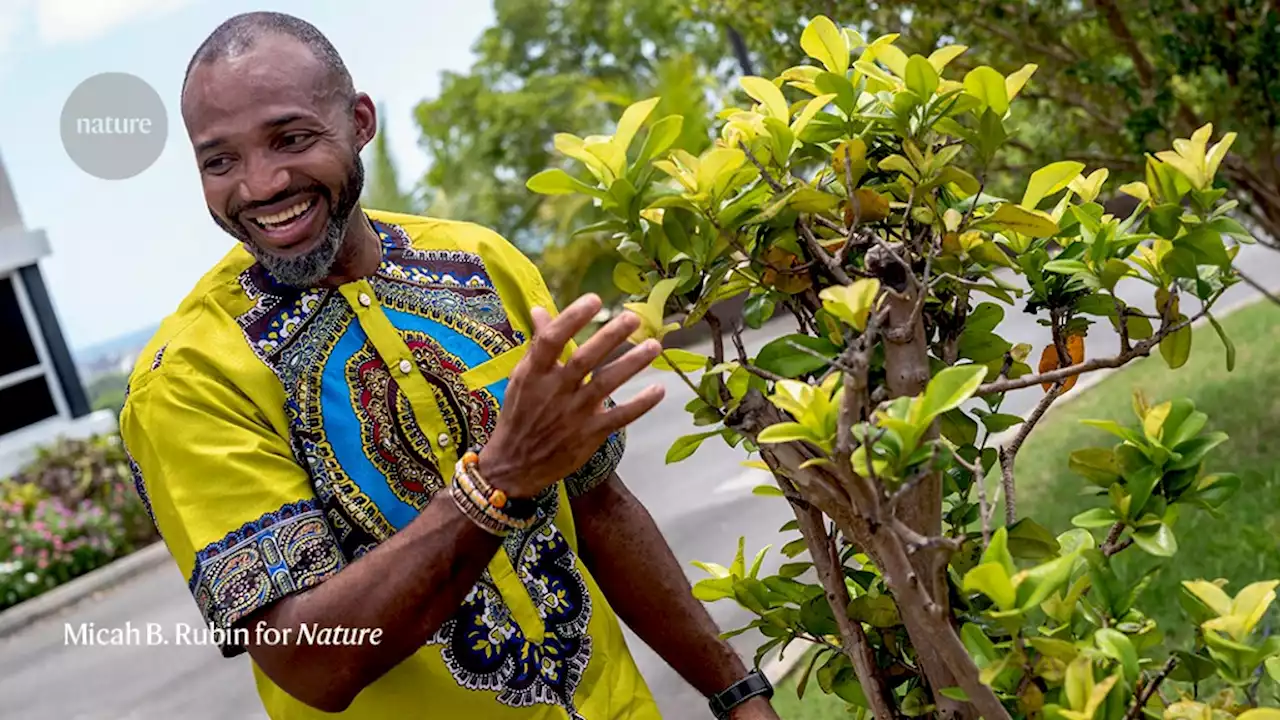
239 92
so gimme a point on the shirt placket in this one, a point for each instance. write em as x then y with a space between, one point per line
393 351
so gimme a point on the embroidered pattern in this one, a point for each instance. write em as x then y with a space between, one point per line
373 468
140 486
266 559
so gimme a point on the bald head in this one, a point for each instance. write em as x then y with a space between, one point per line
241 33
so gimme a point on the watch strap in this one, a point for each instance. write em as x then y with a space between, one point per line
753 685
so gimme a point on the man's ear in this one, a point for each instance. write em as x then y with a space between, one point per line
365 116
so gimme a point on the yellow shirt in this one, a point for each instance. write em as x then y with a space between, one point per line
277 434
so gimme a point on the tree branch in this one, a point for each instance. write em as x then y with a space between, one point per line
1135 710
822 255
1142 349
1009 452
764 172
1115 20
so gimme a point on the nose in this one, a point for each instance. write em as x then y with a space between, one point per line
262 179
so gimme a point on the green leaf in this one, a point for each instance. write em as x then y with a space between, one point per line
554 181
629 279
757 310
954 693
921 78
1095 518
1157 540
1194 451
958 427
781 358
999 422
1048 180
1041 581
978 644
998 552
1175 348
683 359
1140 484
1096 464
875 610
662 135
685 446
1118 430
1118 647
1030 540
816 617
949 389
823 41
1226 342
1206 245
1066 267
767 491
991 580
1273 668
987 85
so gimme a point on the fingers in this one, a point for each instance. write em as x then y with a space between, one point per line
550 336
626 413
611 376
603 342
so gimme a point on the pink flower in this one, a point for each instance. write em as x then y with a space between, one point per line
42 563
18 550
44 556
37 526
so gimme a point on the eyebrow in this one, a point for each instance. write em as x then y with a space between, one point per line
275 122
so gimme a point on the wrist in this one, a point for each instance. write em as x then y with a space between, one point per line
502 474
742 697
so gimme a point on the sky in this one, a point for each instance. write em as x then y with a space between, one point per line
126 252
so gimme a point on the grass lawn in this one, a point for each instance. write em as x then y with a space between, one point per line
1243 545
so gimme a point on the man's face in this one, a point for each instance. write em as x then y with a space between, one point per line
277 145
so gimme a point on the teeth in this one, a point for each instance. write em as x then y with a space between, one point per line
285 216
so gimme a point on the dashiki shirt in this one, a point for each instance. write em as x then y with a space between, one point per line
278 434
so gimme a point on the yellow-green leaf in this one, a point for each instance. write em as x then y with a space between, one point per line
1048 180
810 110
1033 223
1138 190
1015 82
943 56
555 181
1175 348
675 358
767 94
1088 188
921 78
851 303
991 580
718 162
652 312
988 86
823 41
786 432
1259 714
893 58
632 118
1252 602
948 389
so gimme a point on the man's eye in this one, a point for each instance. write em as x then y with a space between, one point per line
295 139
217 164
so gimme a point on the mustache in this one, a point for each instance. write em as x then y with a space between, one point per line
234 212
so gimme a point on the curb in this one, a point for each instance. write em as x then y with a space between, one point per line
68 594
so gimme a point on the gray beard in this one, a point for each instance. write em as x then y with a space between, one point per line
307 270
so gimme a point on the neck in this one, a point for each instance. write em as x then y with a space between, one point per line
360 254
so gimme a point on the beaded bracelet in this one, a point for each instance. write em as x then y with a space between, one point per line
489 500
474 513
516 508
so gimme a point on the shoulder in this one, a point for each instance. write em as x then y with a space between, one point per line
201 335
509 268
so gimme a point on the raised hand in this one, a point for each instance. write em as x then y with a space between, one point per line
551 420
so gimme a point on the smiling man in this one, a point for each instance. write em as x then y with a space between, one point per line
376 423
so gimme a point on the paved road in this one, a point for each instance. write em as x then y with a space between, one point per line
701 504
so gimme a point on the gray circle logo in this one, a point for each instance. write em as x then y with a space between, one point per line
114 126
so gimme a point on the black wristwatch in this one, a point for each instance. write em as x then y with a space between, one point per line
753 685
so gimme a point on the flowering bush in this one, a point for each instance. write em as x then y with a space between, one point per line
71 511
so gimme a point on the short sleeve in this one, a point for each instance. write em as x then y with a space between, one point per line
235 509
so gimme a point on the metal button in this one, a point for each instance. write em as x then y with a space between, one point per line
444 440
365 300
406 366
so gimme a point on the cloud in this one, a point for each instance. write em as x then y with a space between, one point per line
76 20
